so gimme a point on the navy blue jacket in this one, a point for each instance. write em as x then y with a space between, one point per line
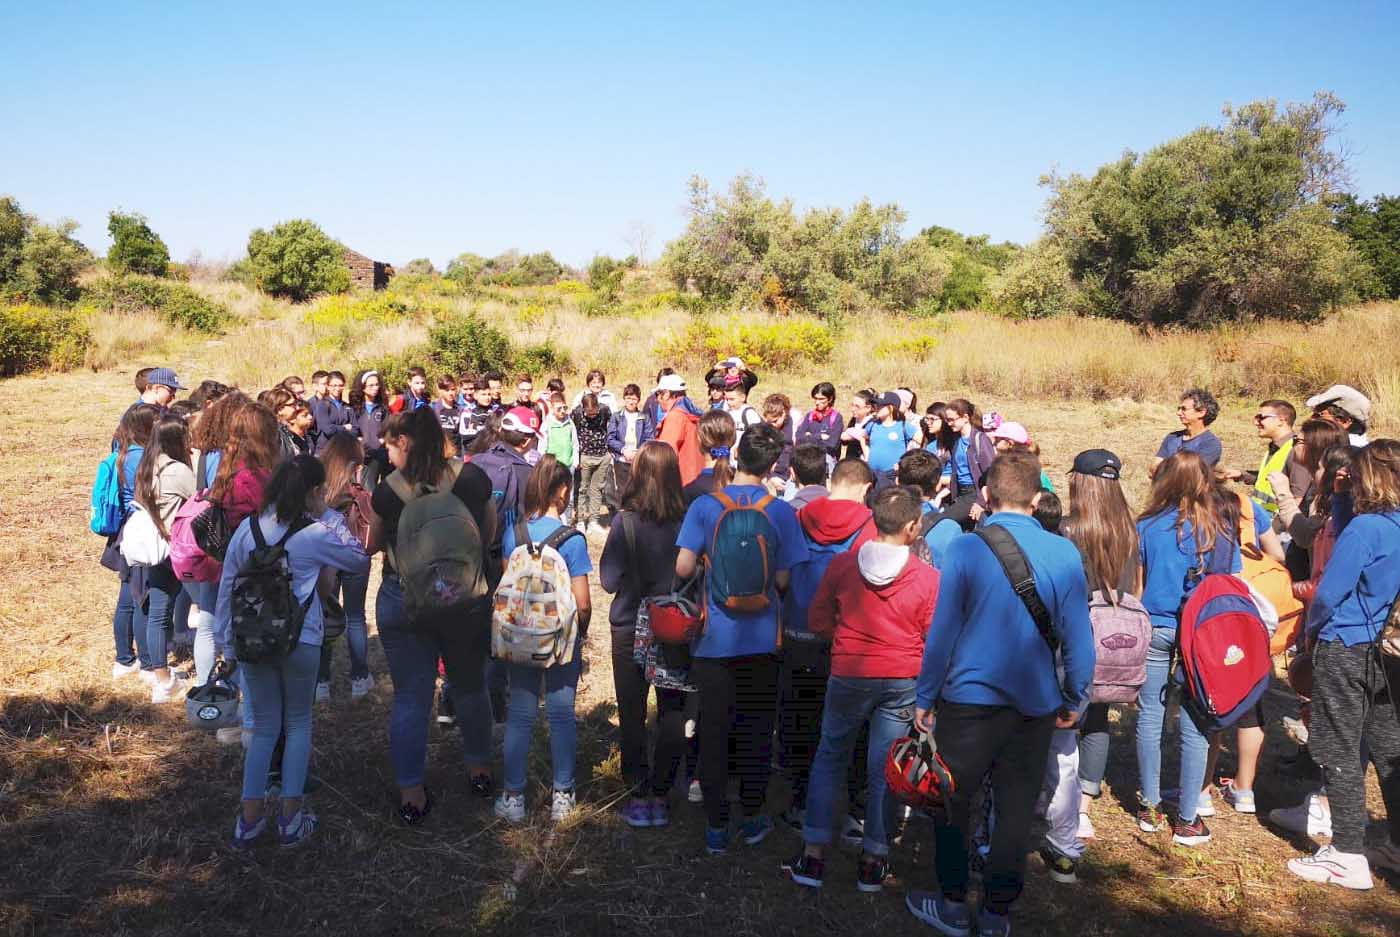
617 431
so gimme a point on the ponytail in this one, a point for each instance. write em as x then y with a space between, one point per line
291 486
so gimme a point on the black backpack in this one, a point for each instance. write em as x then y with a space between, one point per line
266 616
920 547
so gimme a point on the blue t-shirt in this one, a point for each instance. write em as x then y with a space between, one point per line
1206 445
958 463
1168 557
939 536
574 550
126 482
887 444
737 634
211 468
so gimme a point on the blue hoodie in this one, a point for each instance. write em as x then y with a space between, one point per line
983 647
1360 583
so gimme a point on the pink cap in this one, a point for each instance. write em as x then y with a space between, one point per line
1013 431
521 420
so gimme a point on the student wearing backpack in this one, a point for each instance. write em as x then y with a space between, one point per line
1183 533
716 438
888 438
821 426
546 497
1356 677
415 396
1101 526
344 459
875 601
919 469
128 623
990 676
639 560
280 687
831 526
413 643
164 481
749 541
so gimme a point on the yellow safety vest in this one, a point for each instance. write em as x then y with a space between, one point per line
1277 462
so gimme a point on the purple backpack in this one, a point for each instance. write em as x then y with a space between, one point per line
1122 634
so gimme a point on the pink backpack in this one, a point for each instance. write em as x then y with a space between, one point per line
1122 634
191 564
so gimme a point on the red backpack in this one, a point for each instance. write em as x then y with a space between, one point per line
1223 644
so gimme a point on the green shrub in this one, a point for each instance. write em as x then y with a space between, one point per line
1034 285
297 260
39 337
393 368
571 288
915 347
468 343
595 306
605 278
783 344
541 358
176 303
135 247
342 310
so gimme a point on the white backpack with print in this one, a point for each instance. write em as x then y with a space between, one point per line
535 616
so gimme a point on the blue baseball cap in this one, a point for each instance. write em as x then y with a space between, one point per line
165 377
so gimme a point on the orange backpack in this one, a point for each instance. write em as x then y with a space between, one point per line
1270 578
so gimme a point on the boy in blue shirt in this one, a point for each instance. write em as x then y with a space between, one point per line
994 681
735 665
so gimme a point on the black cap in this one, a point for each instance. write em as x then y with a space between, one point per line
1098 462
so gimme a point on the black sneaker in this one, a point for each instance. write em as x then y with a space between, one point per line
1195 833
482 786
874 870
805 870
446 715
411 815
1061 868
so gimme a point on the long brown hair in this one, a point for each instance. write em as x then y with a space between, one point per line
427 455
1317 436
252 445
211 431
716 431
342 457
654 487
1184 483
169 437
1375 478
547 478
134 430
1101 526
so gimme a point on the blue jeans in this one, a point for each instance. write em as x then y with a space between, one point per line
352 598
280 695
203 595
413 657
1152 717
888 704
182 632
560 685
125 630
160 607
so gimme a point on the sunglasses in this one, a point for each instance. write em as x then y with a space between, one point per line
1261 417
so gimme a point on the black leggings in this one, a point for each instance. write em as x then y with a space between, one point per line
802 699
738 696
632 690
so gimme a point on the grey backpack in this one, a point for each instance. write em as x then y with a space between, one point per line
438 549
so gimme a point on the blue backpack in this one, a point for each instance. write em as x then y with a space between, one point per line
105 515
743 555
806 576
505 468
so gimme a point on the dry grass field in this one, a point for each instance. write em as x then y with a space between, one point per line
114 814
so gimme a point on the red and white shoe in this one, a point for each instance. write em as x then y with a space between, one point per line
1328 866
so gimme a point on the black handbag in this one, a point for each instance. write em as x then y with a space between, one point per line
211 531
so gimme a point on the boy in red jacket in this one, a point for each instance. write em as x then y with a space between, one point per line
876 602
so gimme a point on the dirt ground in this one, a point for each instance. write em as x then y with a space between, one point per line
114 814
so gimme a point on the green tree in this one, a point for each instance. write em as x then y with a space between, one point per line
50 261
296 259
421 266
605 277
14 228
465 268
1374 228
1223 224
135 247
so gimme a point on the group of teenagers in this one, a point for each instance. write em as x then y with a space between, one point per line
880 604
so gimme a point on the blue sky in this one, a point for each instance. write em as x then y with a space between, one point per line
412 130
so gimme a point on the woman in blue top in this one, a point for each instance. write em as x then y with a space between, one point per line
1184 532
128 623
971 455
546 497
1354 682
888 438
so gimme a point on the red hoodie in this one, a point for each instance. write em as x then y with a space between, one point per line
832 520
878 630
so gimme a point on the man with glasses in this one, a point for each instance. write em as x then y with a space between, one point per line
1273 421
1196 410
1346 407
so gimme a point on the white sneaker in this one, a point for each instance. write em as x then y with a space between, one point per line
1327 866
229 735
125 670
172 689
1205 807
511 807
148 677
694 794
1241 801
360 686
323 692
1310 818
1086 827
1384 857
562 806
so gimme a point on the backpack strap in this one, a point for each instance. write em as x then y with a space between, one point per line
1018 571
629 530
199 472
560 536
400 486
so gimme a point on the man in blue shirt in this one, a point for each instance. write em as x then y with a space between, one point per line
999 691
735 665
1196 410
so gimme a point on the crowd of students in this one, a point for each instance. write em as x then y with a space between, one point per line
858 578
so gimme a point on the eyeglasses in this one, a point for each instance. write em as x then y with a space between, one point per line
1261 417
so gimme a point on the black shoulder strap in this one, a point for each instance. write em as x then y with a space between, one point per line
1018 571
629 530
560 535
295 527
255 522
929 521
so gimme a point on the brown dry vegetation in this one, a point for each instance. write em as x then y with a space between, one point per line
114 815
